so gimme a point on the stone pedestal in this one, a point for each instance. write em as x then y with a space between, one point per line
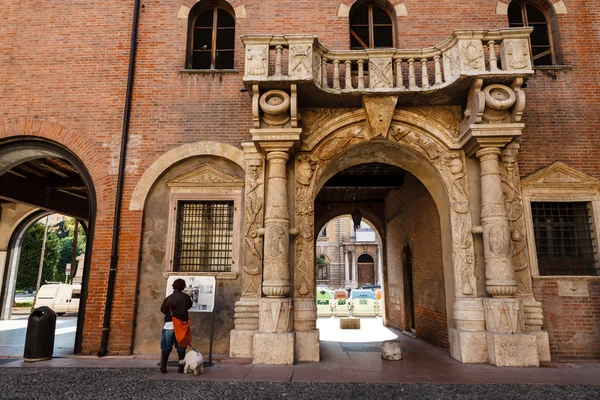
469 347
307 346
241 343
274 348
391 350
543 345
512 350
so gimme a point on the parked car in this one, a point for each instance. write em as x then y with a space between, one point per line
324 301
61 298
363 303
341 305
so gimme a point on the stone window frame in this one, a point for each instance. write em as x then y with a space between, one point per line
584 191
200 193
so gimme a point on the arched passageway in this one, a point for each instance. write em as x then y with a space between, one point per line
37 178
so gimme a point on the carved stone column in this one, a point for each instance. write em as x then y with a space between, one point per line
275 341
499 271
247 308
277 228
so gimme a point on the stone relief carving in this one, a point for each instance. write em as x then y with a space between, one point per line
380 73
451 64
256 60
305 187
254 218
300 56
504 315
516 53
275 315
516 220
314 120
447 117
472 55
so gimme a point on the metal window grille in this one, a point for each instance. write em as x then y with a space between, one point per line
563 238
204 239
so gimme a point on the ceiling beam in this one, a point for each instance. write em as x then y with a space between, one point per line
32 193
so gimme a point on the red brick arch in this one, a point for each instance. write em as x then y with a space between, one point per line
80 146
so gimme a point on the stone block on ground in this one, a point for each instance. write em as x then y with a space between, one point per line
512 350
307 346
274 348
391 350
241 343
349 323
468 347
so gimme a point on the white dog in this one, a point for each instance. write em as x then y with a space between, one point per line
194 362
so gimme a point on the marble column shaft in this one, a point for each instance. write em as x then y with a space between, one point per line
276 272
499 270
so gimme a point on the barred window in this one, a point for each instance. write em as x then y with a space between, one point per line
563 238
204 236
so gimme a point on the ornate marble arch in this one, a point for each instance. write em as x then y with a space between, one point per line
428 139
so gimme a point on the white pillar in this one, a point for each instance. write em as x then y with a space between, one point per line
354 270
346 268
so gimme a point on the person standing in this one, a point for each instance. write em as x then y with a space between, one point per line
177 305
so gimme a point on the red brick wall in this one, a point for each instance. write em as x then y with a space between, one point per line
412 219
572 323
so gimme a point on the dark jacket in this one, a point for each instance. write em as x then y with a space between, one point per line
180 304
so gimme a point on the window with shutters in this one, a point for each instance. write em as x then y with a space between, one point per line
211 36
522 14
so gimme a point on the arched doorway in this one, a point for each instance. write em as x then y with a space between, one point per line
39 177
366 270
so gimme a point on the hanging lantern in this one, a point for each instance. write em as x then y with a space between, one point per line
356 218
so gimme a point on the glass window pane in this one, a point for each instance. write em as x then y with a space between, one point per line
225 38
224 19
515 17
383 36
224 60
360 17
201 60
202 39
205 19
380 16
534 14
539 36
363 33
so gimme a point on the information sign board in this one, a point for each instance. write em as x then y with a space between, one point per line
200 288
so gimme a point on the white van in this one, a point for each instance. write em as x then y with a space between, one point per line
61 298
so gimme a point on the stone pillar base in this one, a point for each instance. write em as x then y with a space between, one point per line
512 350
274 348
543 345
468 347
241 343
307 346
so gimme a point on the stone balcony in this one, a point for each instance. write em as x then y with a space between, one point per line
442 74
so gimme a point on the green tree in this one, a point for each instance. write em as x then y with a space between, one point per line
29 260
65 233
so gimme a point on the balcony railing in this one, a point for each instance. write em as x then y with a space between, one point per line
472 53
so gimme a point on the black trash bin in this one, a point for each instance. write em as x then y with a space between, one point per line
39 340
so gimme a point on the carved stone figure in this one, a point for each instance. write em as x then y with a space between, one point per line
518 53
451 64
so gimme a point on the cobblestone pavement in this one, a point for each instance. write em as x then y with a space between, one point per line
104 383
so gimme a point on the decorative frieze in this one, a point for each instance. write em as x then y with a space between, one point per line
504 315
276 316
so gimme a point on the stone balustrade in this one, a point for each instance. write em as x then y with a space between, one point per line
467 53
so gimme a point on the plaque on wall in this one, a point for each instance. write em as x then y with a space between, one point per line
200 288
